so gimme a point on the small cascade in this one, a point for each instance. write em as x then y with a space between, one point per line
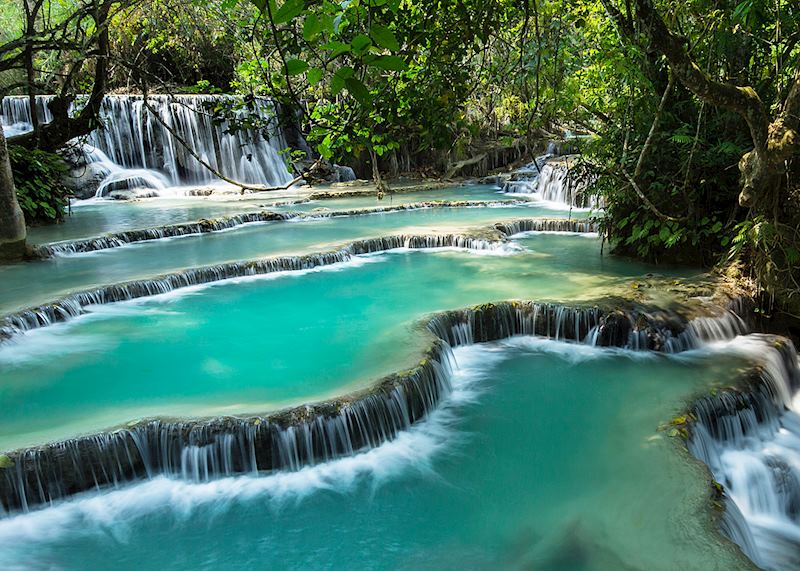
208 449
205 449
750 440
552 180
136 152
171 231
558 184
633 328
75 304
515 227
525 180
225 223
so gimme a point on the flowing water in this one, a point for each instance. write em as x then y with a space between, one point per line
546 456
320 333
138 150
32 283
519 453
94 217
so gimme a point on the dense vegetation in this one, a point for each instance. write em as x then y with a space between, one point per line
689 109
39 180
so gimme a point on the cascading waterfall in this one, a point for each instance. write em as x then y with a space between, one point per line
750 440
525 180
15 114
75 304
212 448
523 225
119 239
552 180
135 151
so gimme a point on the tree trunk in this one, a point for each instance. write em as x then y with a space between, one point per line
774 139
380 185
12 221
65 127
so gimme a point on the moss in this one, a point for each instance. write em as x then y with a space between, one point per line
5 461
678 426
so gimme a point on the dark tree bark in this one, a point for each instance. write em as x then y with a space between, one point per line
380 184
12 222
63 128
775 138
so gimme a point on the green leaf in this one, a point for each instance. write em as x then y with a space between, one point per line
394 63
296 66
289 11
324 147
314 75
260 4
311 27
338 79
337 48
360 43
384 37
358 90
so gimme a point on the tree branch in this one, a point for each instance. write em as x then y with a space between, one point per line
742 100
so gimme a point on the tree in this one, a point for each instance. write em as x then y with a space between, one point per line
73 37
376 75
12 222
774 134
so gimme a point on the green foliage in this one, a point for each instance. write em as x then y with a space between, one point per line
40 189
374 75
448 78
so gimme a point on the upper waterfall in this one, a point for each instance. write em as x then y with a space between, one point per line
137 151
551 178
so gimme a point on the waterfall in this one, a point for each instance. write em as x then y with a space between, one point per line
199 450
15 114
514 227
750 440
206 449
525 180
200 227
552 180
134 151
75 304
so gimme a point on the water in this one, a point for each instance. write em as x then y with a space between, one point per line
751 443
304 324
532 454
463 192
94 217
134 151
552 180
32 283
546 456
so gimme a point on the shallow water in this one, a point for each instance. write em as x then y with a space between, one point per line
547 456
32 283
261 343
101 216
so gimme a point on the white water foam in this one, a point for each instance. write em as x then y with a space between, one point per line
760 467
574 353
529 233
114 512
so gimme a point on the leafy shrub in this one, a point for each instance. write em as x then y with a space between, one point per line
40 189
